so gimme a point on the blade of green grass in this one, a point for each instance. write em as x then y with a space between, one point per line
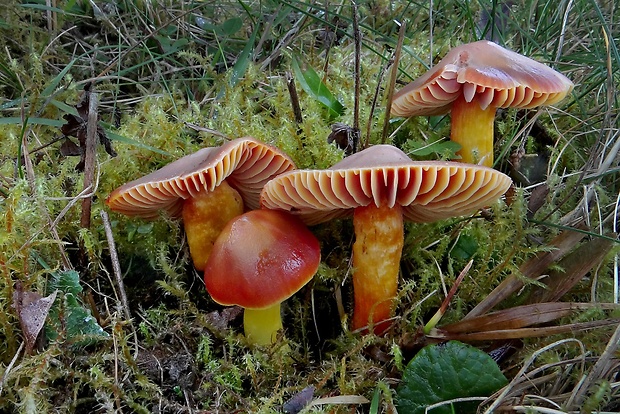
133 142
31 121
311 82
244 58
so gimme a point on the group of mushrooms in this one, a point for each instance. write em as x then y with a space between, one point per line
246 208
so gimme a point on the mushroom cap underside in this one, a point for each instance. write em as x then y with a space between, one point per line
486 73
427 190
245 163
260 259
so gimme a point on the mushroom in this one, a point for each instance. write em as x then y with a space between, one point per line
259 260
381 187
206 188
471 82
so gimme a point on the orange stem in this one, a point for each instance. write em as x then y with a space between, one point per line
376 261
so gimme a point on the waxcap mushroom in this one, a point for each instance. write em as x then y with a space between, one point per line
427 190
260 259
206 188
471 82
246 163
486 73
381 187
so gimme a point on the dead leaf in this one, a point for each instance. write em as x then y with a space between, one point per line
522 316
519 333
537 199
532 269
344 136
575 266
32 310
70 148
76 126
220 320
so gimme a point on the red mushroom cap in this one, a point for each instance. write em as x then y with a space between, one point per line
260 259
427 190
245 163
486 73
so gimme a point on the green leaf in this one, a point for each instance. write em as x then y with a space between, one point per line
64 107
231 26
80 323
67 282
70 314
311 82
465 247
228 28
243 60
444 372
374 404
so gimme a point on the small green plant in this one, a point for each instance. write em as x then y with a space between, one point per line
68 315
441 374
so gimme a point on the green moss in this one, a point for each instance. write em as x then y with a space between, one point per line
181 348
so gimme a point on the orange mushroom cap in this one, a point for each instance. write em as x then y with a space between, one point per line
261 258
245 163
486 73
427 190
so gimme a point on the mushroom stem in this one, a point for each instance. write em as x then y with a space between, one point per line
204 217
376 261
261 326
472 127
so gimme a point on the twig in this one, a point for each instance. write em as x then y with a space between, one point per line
357 38
292 90
598 370
373 105
211 131
10 366
33 188
89 154
286 40
392 83
522 375
116 267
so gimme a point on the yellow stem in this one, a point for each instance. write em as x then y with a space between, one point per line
204 217
472 127
262 325
376 261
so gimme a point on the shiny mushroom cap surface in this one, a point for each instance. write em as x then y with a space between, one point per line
245 163
382 174
486 73
260 259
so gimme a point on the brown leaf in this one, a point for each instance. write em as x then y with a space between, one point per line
532 269
220 320
575 266
32 310
70 148
344 136
522 316
76 126
537 199
439 333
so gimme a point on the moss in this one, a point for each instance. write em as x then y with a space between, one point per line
181 349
